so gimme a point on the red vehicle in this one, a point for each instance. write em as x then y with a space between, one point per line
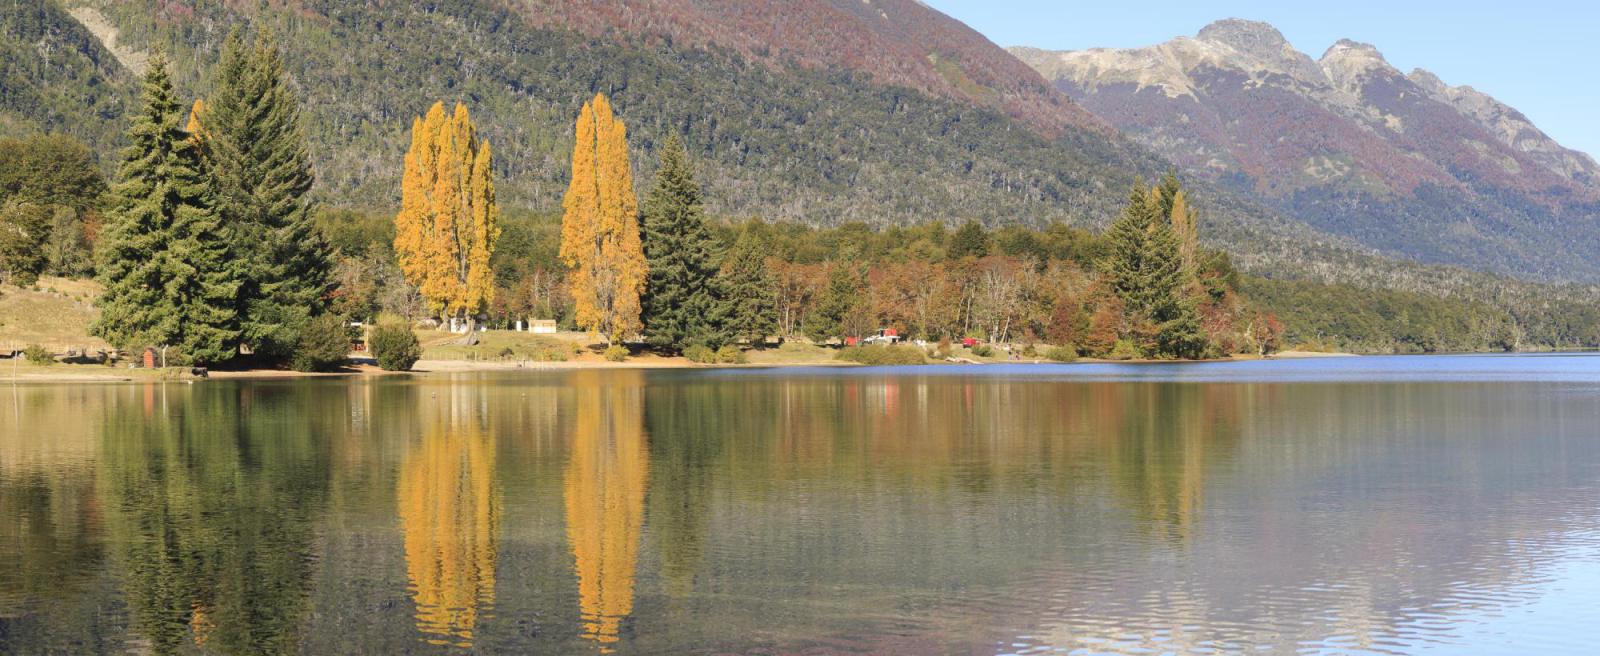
969 342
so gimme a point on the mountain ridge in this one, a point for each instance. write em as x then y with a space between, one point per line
1402 163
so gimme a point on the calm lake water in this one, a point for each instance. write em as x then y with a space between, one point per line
1413 505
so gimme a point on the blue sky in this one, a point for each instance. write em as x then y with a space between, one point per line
1540 56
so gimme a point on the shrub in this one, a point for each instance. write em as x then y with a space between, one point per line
395 346
323 345
616 353
730 354
882 355
944 348
1061 354
700 354
983 351
39 355
1125 350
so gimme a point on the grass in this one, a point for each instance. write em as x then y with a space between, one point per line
791 353
498 345
54 314
883 355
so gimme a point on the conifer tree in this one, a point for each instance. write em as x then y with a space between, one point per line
750 289
1145 269
970 240
839 300
448 225
683 300
164 249
261 174
600 241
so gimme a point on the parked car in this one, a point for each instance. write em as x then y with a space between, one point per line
885 336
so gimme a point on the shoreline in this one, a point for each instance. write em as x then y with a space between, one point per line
85 373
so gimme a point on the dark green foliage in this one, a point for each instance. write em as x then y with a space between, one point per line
970 240
164 250
38 355
683 300
750 290
395 346
844 296
1144 268
881 355
324 344
24 227
261 174
58 174
56 77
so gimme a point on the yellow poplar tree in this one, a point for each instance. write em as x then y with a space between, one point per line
600 229
1186 225
448 223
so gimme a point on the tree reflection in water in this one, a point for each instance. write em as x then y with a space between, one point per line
606 477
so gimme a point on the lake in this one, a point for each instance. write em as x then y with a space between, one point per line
1407 505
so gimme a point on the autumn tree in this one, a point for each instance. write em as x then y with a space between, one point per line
260 172
164 249
600 241
448 224
683 301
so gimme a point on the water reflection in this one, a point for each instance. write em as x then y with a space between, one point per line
607 473
210 496
673 512
449 508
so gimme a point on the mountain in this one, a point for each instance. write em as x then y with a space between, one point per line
1402 163
816 110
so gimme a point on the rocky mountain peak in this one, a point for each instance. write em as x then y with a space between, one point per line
1347 62
1253 37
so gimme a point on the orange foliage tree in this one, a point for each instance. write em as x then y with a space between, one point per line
600 228
448 223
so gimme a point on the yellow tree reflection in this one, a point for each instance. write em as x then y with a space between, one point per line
450 513
605 489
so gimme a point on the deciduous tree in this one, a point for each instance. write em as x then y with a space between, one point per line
600 241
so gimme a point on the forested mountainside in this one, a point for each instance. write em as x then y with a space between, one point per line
1402 163
822 143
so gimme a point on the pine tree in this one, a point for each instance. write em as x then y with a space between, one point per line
164 249
839 301
600 240
448 225
1145 269
750 289
261 174
683 300
970 240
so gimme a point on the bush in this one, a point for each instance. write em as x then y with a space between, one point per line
730 354
883 355
37 354
323 345
1125 350
700 354
616 353
395 346
1061 354
983 351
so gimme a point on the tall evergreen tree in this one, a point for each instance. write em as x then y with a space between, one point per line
256 158
683 300
839 300
1145 269
164 250
750 289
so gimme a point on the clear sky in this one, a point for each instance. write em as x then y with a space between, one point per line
1539 56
